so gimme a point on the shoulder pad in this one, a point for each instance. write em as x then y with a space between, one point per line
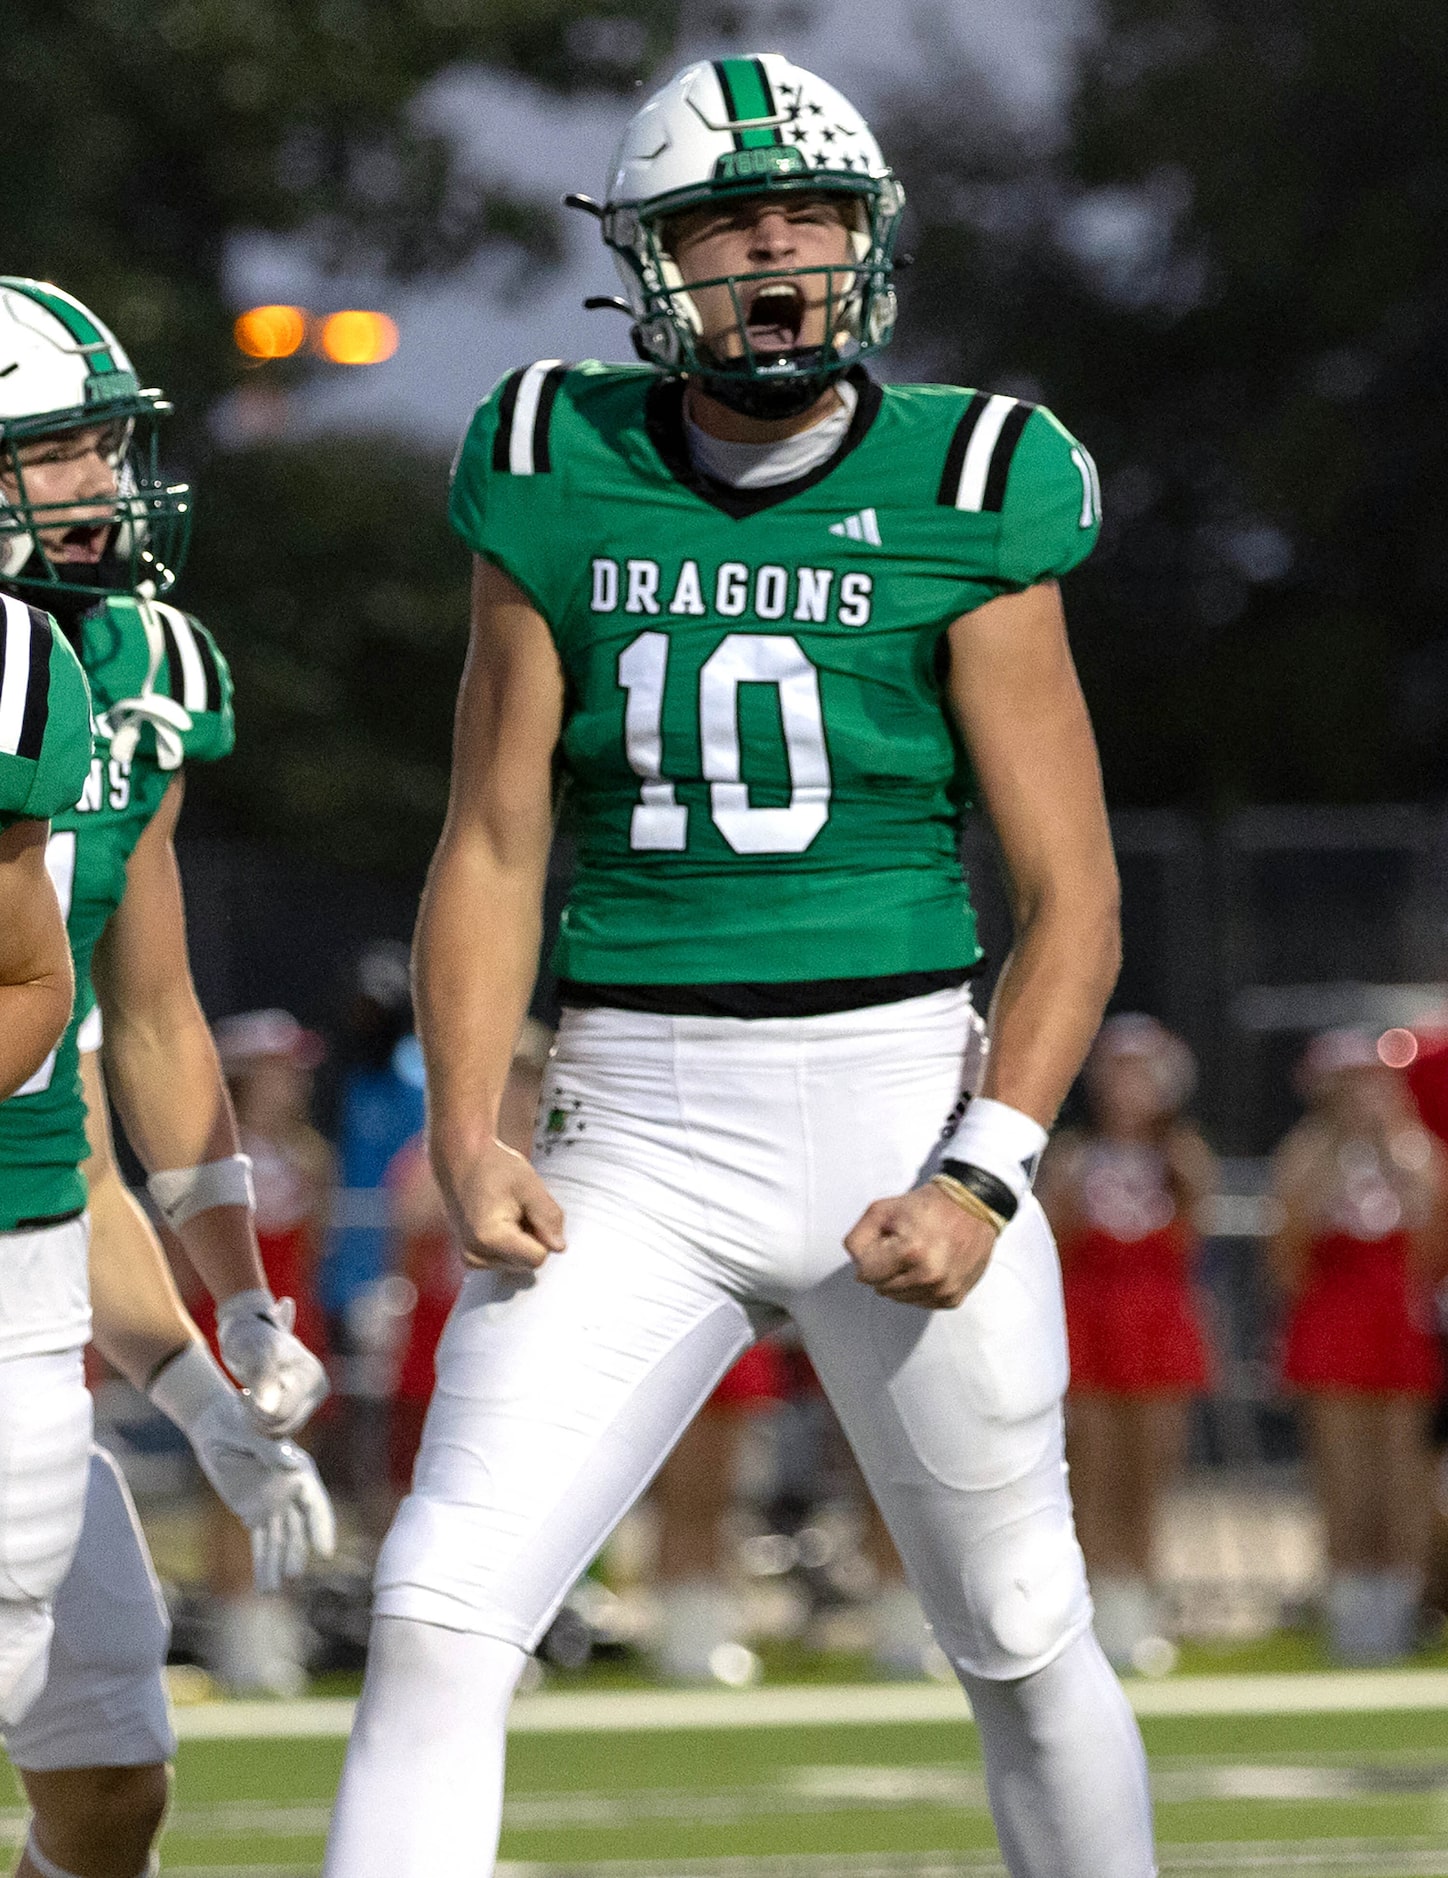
508 436
1018 461
176 698
199 679
45 715
524 403
978 461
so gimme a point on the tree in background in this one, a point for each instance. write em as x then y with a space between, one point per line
144 135
1227 272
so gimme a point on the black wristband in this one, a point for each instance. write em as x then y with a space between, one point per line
989 1188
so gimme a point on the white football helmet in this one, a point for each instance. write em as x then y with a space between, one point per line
727 128
62 369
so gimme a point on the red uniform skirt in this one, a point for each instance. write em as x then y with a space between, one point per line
1363 1323
759 1377
1132 1314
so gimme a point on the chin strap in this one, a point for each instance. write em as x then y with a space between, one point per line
768 398
124 722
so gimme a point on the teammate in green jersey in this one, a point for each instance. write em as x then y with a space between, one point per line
775 628
45 743
88 526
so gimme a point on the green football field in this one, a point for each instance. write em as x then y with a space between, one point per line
1355 1794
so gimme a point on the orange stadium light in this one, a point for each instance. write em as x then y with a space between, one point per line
357 338
270 332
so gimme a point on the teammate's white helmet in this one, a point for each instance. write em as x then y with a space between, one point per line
63 369
743 127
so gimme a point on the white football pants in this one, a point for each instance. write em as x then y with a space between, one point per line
709 1169
45 1431
104 1701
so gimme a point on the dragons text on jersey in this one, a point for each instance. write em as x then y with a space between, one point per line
810 595
763 779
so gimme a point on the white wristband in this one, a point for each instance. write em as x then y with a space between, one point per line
1002 1140
258 1302
182 1192
188 1385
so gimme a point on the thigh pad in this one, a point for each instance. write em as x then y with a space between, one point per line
104 1701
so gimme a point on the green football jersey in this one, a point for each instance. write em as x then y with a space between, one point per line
45 716
162 694
763 778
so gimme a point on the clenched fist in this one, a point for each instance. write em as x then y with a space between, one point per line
920 1248
504 1217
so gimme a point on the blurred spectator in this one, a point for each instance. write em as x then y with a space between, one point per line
1423 1053
1122 1197
1361 1236
700 1619
380 1106
428 1272
269 1059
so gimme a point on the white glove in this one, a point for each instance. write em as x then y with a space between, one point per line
271 1486
283 1381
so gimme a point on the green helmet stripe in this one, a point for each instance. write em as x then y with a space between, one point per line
747 94
81 329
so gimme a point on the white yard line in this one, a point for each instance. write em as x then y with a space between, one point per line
809 1791
664 1710
1323 1858
801 1791
1313 1858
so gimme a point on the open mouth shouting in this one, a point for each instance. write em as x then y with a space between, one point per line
774 316
82 545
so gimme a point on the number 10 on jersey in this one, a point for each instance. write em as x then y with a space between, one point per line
777 659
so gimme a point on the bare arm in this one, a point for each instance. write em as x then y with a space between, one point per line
1014 692
479 930
1192 1168
139 1319
37 983
160 1059
1015 697
143 1328
1303 1174
1430 1242
1058 1183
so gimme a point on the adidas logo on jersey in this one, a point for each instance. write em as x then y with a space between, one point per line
862 527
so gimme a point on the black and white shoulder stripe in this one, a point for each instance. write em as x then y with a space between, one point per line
195 682
520 447
979 458
24 678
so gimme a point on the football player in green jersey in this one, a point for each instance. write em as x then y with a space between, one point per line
776 627
88 527
45 746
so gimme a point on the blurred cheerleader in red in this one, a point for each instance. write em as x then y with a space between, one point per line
257 1643
1122 1196
1361 1236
